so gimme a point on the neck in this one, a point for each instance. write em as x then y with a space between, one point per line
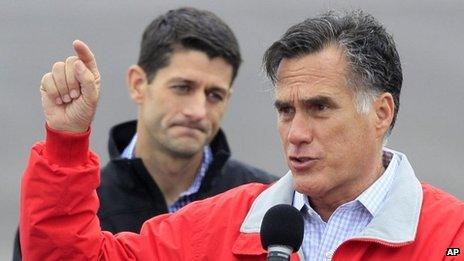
326 205
172 174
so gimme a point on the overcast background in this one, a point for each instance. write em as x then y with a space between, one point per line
34 34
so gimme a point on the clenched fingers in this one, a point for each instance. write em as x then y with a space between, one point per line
73 85
75 76
48 86
59 77
89 85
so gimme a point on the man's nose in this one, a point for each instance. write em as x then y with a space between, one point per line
301 130
195 109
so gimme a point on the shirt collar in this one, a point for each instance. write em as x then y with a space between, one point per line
372 198
195 186
129 153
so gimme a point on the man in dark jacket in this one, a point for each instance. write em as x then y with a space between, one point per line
129 196
175 153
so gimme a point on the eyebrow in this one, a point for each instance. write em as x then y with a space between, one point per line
190 82
180 79
317 100
282 104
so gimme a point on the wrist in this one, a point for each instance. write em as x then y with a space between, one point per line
68 129
66 148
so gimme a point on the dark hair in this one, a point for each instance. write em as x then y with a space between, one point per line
374 63
187 28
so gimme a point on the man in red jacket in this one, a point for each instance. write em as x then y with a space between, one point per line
338 79
176 152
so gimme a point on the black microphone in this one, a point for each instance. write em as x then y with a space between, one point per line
281 232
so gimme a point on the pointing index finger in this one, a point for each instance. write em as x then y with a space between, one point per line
85 55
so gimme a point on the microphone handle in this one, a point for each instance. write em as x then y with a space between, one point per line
279 253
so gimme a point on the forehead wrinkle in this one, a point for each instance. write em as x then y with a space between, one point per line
330 62
310 76
292 75
321 73
301 95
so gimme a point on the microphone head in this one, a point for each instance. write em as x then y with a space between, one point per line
282 225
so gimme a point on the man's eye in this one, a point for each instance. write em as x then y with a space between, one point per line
319 107
285 111
215 97
322 107
181 88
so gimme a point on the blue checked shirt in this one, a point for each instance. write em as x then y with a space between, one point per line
188 195
348 220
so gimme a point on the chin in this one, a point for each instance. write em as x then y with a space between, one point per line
184 153
299 182
308 184
186 149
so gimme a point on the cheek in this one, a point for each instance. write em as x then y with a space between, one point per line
215 115
337 138
347 141
152 116
283 133
163 111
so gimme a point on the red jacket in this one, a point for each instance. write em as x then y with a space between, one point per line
59 222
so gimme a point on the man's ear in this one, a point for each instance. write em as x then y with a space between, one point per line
136 83
384 108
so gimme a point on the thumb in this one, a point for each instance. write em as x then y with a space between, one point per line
85 54
89 85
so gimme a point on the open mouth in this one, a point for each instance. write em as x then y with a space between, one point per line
301 163
301 159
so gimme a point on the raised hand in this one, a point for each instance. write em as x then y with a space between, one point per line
70 91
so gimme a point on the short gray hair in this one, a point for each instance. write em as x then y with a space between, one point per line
374 63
